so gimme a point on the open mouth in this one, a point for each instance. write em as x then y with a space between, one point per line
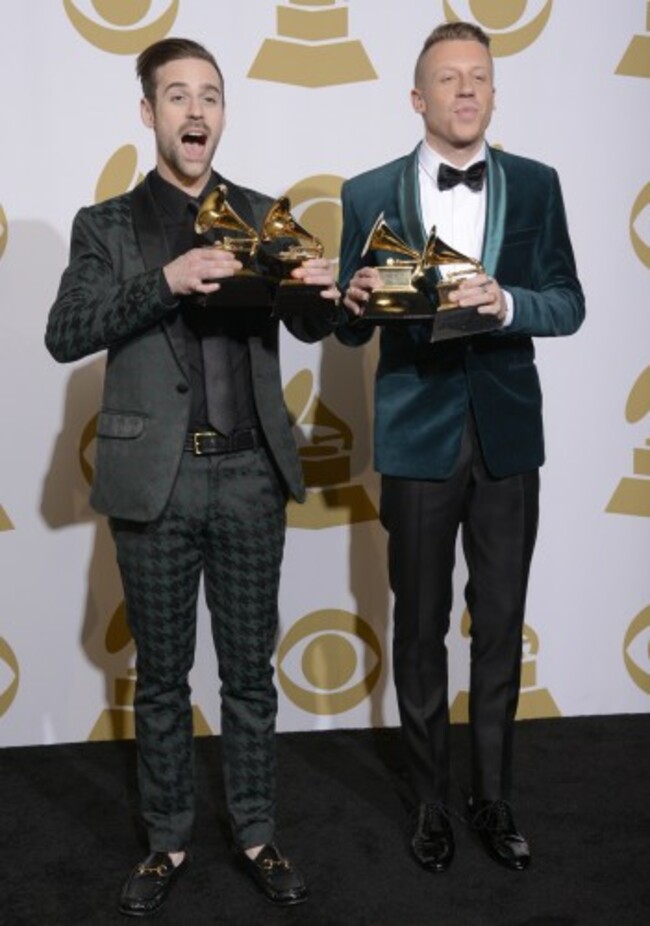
194 143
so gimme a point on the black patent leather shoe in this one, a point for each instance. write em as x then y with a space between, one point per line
276 877
494 823
146 888
433 840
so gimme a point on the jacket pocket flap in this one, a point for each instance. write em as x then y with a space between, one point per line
520 236
114 424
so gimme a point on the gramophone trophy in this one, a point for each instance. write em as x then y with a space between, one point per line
284 245
248 287
401 292
406 292
452 320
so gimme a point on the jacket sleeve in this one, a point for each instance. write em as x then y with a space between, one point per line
554 305
96 307
355 331
315 324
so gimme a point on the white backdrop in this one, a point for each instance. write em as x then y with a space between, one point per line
317 90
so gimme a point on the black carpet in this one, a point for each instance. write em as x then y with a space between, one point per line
69 834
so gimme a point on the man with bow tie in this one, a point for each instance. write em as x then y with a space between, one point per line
458 425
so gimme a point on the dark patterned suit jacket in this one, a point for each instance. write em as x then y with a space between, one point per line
109 298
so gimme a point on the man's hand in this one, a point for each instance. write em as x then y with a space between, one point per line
199 270
483 292
318 271
364 281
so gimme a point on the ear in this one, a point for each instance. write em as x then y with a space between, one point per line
146 113
416 101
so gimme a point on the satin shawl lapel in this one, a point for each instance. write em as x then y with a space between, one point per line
496 213
153 247
410 213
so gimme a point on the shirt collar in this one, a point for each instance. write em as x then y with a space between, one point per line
429 160
171 199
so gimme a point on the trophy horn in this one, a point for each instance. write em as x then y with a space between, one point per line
215 212
383 238
279 223
437 253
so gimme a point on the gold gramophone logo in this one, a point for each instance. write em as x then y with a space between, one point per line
5 521
636 650
117 722
533 700
641 203
339 657
325 446
119 175
312 48
632 495
9 676
125 27
636 60
513 25
4 231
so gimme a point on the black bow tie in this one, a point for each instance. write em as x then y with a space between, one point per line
449 177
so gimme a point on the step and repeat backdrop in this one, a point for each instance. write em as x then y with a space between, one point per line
317 91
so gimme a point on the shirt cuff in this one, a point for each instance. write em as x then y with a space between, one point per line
166 295
510 308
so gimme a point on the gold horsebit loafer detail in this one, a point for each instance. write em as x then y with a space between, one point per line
276 877
147 886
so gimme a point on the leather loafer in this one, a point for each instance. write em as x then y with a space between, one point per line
148 884
276 877
494 823
433 841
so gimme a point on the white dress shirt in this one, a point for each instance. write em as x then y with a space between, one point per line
458 214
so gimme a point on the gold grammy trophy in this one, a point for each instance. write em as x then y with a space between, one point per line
401 292
284 245
249 286
452 320
406 290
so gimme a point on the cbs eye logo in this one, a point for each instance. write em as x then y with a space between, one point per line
636 650
9 676
337 654
512 25
122 31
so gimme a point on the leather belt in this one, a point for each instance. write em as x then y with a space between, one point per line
204 443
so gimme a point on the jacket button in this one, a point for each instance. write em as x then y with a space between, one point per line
182 388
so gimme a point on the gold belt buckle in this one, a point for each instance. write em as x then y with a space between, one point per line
197 436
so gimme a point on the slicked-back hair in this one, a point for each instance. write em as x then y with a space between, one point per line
450 32
160 53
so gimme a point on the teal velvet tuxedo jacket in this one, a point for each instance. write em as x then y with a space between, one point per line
110 298
423 391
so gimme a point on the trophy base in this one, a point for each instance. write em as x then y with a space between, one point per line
294 296
461 323
244 290
398 305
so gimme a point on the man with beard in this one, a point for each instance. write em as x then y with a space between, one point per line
195 462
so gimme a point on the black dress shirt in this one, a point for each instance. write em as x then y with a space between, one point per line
177 212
